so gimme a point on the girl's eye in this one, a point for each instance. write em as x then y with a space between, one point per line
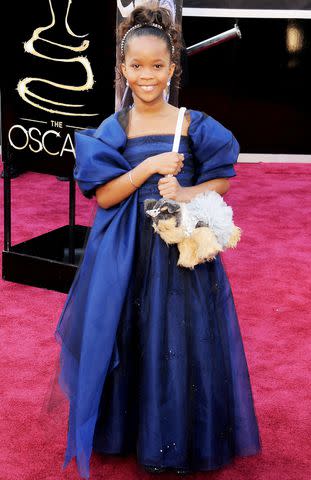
137 65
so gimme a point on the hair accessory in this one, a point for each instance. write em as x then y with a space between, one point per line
142 25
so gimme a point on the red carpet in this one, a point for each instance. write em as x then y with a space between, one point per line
271 283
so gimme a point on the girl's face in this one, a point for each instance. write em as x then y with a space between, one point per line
147 64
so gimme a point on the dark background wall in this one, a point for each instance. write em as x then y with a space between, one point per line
258 85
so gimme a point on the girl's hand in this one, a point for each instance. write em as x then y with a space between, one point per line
166 163
169 187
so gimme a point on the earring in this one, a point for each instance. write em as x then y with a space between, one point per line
166 95
127 83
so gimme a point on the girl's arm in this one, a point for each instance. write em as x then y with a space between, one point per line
220 185
119 188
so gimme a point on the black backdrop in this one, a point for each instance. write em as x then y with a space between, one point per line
256 86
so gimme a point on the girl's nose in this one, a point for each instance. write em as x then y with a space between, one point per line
147 77
146 73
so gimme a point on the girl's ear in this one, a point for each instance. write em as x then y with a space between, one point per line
171 69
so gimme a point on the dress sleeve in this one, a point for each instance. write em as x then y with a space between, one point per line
96 162
214 147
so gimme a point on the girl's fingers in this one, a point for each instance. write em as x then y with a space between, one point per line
165 180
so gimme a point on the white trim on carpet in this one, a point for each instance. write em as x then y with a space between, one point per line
273 158
244 13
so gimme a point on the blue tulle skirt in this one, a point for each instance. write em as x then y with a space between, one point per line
180 393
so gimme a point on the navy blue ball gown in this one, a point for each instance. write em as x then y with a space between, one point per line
152 356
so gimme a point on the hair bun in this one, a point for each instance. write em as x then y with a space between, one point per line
152 14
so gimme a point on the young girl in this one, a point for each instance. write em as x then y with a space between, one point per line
152 359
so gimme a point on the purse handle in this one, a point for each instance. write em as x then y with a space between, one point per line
177 133
178 129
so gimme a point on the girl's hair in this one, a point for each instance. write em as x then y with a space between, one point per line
151 13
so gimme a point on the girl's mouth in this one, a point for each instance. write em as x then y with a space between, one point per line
148 88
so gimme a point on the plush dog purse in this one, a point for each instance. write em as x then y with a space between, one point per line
201 228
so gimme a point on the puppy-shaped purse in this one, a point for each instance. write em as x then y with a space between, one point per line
201 228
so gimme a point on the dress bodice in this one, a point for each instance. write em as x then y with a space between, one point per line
137 149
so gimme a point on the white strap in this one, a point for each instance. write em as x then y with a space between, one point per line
177 133
178 129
